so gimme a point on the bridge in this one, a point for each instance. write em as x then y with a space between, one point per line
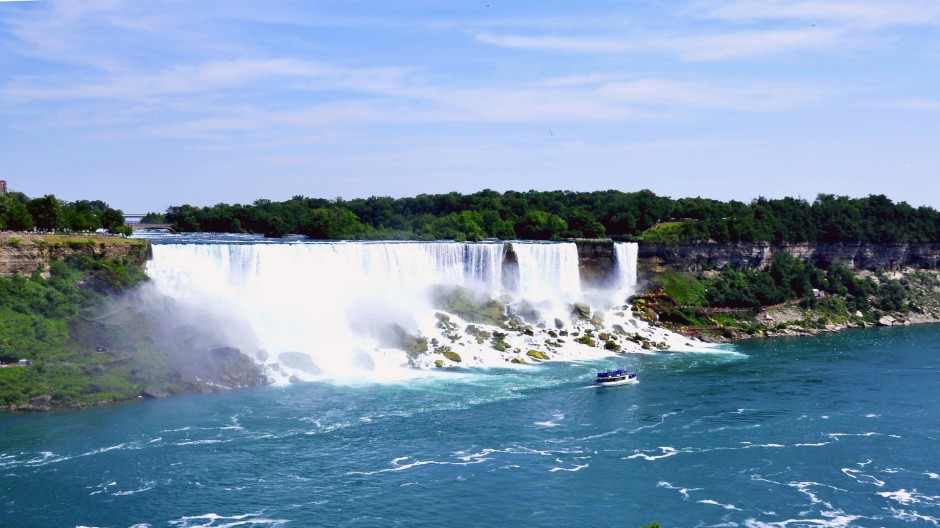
133 221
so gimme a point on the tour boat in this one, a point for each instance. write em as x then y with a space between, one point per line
611 378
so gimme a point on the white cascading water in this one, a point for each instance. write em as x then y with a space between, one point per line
625 257
333 301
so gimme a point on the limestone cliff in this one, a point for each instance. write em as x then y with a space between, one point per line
693 256
25 253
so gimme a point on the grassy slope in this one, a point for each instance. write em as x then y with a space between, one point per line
78 329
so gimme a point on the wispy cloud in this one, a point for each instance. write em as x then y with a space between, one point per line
861 13
922 105
717 46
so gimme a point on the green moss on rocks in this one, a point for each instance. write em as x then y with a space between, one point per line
537 355
451 355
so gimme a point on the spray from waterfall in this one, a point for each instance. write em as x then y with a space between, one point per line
335 310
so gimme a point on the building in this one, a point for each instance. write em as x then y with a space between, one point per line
3 187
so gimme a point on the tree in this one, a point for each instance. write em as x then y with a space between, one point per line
332 223
111 219
47 213
14 215
539 225
582 224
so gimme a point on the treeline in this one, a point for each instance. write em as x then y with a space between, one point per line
20 213
555 215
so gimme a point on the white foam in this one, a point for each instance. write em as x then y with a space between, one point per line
716 503
571 469
214 520
665 451
555 422
683 491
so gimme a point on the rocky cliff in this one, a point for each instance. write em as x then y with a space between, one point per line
26 253
596 261
859 256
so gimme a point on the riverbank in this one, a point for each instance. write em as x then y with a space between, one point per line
919 288
75 308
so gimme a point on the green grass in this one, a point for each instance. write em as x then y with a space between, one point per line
684 288
665 232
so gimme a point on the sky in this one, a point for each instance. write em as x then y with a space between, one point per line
146 104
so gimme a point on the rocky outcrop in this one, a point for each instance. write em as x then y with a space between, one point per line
700 256
26 253
596 261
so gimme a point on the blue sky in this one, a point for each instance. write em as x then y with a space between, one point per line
146 104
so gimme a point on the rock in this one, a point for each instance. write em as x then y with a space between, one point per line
363 360
517 360
299 361
153 393
535 354
580 310
439 363
41 400
451 355
559 324
887 321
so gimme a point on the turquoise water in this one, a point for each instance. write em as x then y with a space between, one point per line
840 430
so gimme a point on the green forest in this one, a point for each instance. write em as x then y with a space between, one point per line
535 215
20 213
558 215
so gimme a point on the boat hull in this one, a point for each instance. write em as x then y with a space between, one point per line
616 383
615 378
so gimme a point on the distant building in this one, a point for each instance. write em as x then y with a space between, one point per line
3 187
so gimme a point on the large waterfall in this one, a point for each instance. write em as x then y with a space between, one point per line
345 307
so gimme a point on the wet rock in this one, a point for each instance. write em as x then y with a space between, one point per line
153 393
537 355
363 361
887 321
299 361
451 355
581 310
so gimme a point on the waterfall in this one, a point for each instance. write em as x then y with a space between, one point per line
335 302
626 256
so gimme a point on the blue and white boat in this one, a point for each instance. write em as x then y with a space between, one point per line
612 378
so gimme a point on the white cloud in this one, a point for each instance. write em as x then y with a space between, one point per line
709 47
923 105
862 13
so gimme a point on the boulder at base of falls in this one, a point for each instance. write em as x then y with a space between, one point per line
363 361
537 355
581 310
299 361
451 355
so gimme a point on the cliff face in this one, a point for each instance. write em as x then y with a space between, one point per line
25 253
700 256
596 261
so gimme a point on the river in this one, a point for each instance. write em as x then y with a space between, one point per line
837 430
